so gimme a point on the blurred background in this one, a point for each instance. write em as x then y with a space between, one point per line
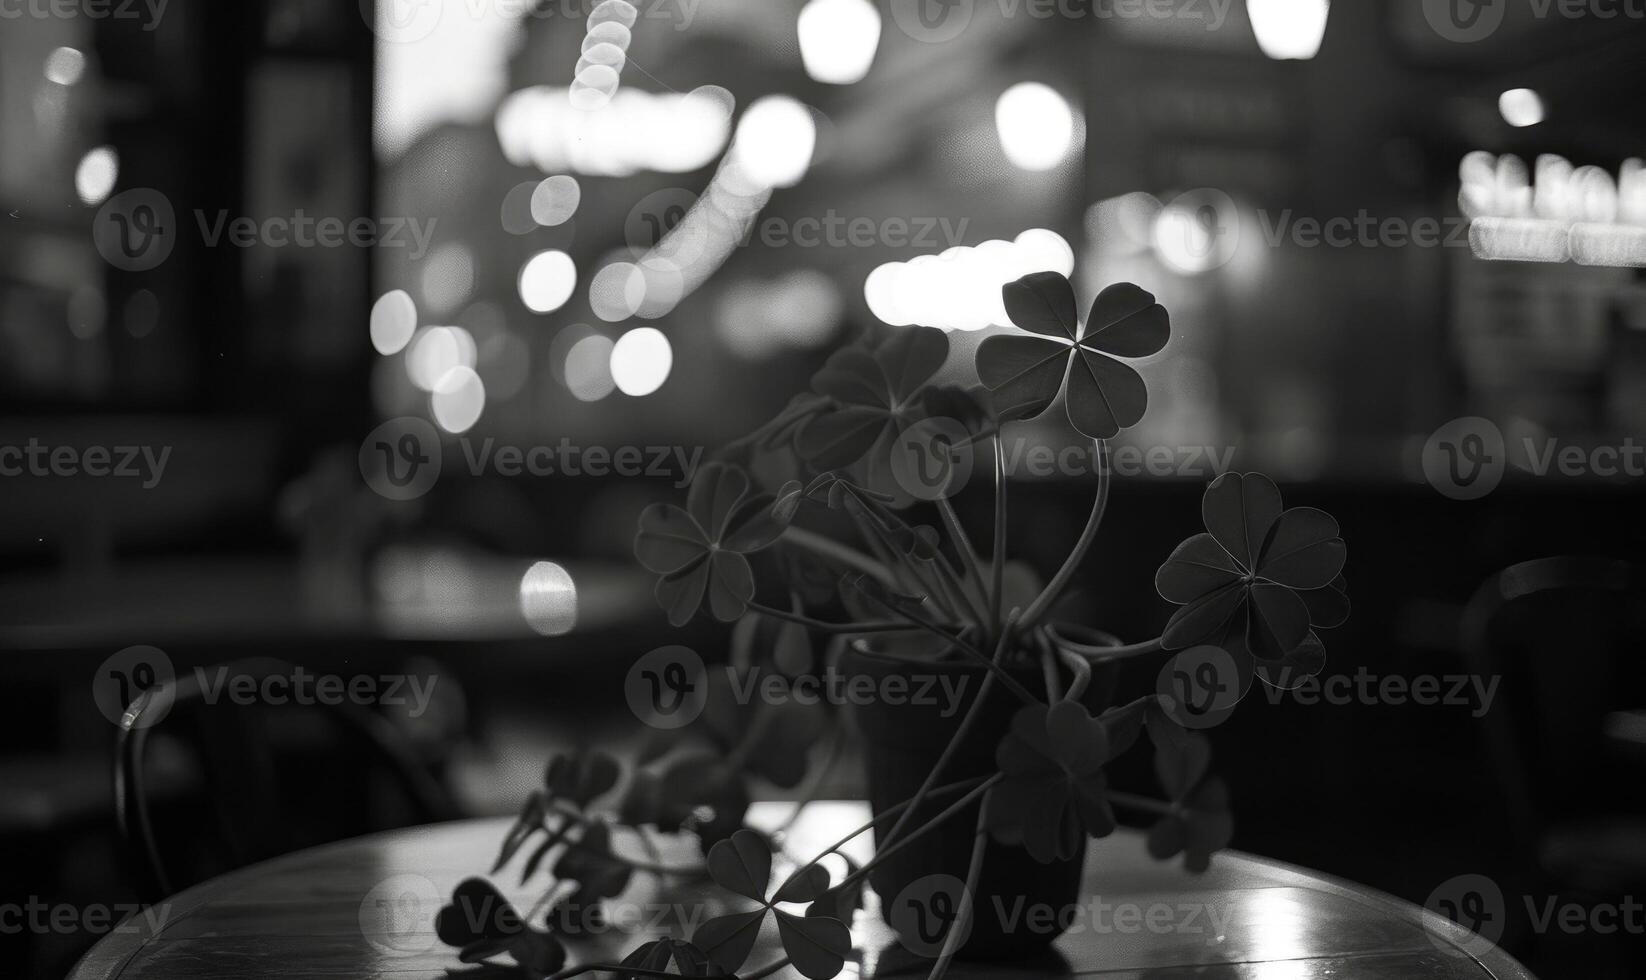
238 238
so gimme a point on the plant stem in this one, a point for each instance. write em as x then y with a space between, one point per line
818 624
961 645
1090 652
973 565
1082 675
828 547
1055 587
968 899
997 561
890 811
683 871
924 828
966 724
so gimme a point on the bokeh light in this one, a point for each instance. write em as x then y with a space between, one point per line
548 599
617 291
775 140
960 289
458 400
1036 126
641 361
96 176
838 39
448 277
436 350
1521 107
588 368
65 66
393 321
555 200
547 281
1289 30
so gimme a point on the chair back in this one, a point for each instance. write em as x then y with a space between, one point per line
205 784
1564 637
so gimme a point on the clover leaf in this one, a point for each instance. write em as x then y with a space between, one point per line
482 924
593 865
1257 580
659 954
1198 823
1054 795
817 946
872 397
700 551
1102 395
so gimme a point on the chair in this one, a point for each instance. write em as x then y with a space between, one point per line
263 772
1564 635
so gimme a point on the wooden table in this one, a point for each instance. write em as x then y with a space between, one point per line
364 910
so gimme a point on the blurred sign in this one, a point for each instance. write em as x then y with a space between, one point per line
1558 213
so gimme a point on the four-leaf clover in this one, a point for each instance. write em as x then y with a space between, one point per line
873 397
700 550
1257 580
1103 395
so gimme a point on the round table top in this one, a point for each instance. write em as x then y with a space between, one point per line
364 910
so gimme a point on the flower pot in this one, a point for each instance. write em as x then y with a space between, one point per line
902 743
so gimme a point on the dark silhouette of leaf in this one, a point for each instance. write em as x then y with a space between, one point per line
658 955
528 823
817 947
1257 581
729 939
591 863
805 885
742 864
1102 395
700 551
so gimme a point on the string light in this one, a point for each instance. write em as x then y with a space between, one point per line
960 289
636 132
605 52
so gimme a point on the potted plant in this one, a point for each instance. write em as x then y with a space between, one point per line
991 793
